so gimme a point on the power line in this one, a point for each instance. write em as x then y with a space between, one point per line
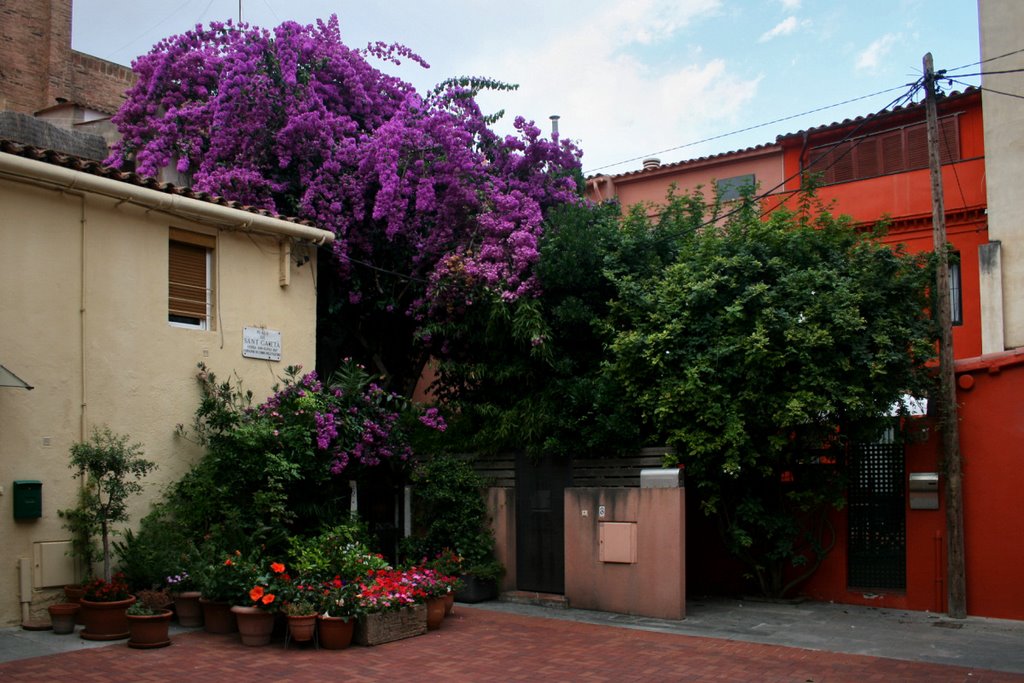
944 75
993 91
160 22
984 61
749 128
899 101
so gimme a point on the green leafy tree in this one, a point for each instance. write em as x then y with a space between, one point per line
450 514
527 374
111 468
759 353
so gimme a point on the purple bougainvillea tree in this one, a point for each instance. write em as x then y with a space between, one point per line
430 207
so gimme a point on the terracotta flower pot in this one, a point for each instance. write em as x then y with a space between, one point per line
255 625
149 631
186 606
105 620
435 613
301 627
73 593
64 616
334 632
217 617
449 603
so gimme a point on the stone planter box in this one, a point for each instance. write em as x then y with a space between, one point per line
385 627
476 590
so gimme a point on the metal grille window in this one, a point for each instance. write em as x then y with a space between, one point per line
877 547
189 279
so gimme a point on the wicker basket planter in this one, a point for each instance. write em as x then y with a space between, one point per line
385 627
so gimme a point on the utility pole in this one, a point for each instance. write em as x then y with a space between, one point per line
948 414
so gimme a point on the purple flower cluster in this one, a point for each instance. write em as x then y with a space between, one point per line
356 422
296 122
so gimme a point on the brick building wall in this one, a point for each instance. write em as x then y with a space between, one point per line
38 66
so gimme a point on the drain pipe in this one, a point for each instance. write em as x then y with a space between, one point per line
25 587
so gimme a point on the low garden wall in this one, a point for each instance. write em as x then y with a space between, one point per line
625 550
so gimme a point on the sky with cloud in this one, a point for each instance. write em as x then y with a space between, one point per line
673 79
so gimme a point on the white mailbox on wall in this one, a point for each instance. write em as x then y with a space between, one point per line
924 490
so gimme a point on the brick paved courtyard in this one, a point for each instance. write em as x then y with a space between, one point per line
481 645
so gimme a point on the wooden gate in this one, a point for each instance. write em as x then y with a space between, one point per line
540 523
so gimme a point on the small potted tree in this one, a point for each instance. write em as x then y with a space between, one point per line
452 522
110 469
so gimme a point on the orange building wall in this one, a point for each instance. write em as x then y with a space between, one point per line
905 200
992 451
651 186
989 394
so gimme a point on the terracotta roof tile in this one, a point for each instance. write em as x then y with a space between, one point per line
96 168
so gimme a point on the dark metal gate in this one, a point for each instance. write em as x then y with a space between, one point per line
877 544
540 523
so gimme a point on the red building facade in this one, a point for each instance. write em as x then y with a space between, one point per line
890 551
878 167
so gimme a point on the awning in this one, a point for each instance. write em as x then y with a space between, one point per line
9 379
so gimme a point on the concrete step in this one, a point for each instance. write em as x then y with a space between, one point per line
533 598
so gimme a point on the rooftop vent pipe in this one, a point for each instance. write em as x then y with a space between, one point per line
554 124
651 164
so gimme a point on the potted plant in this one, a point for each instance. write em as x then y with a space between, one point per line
301 613
255 609
81 523
394 607
149 620
451 514
104 607
64 616
186 599
220 578
434 586
448 563
110 469
340 608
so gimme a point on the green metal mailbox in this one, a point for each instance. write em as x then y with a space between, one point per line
28 499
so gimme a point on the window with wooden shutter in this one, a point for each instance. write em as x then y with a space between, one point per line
891 151
189 277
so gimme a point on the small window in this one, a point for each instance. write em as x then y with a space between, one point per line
189 279
956 298
729 189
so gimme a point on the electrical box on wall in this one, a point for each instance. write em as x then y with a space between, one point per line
618 542
28 499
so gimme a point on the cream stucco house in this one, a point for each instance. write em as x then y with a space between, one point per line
113 289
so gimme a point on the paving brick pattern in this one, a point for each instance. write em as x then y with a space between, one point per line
479 645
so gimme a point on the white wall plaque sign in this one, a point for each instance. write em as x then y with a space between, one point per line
259 342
